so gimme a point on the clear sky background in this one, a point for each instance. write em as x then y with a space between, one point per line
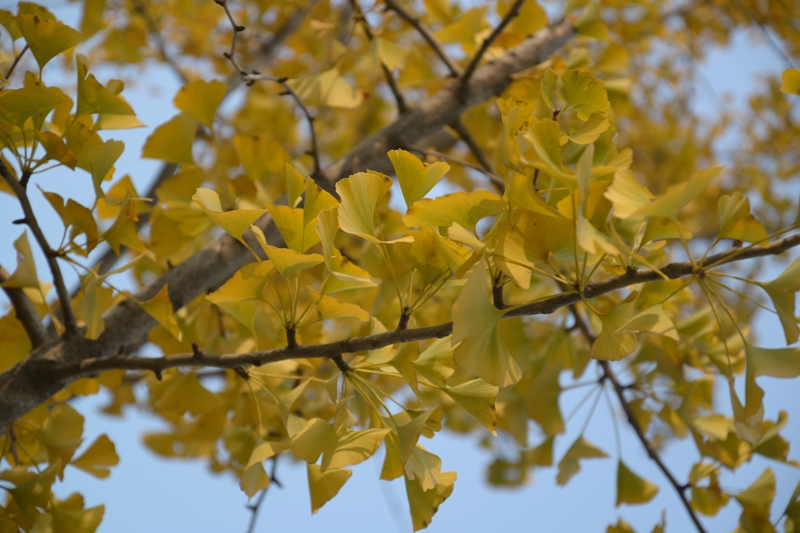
148 493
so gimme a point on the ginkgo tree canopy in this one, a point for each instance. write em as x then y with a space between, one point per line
375 221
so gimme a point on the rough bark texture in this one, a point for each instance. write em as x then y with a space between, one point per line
44 372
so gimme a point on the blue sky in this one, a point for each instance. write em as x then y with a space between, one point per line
147 493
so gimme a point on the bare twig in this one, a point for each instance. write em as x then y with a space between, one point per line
390 81
333 350
473 64
619 389
140 8
455 70
254 76
16 61
51 255
256 506
26 313
479 154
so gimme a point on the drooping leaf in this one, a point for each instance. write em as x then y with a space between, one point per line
160 308
737 222
93 97
424 504
201 98
324 486
477 398
45 37
570 463
172 141
782 290
234 222
631 489
480 351
97 459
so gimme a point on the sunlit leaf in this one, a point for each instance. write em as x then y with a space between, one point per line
46 38
415 177
465 208
323 486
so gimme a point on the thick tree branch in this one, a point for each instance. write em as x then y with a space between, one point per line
35 379
475 61
426 34
30 219
26 313
332 350
619 390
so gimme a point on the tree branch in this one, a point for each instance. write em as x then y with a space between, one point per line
35 379
30 219
473 64
26 313
333 350
390 81
455 70
619 389
476 150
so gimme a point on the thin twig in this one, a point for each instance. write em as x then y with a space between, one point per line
16 60
390 81
619 389
256 506
26 313
254 76
161 45
51 255
473 64
479 154
455 70
334 350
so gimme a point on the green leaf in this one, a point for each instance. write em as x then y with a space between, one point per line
480 351
570 463
464 208
631 489
46 38
101 160
17 106
323 486
93 97
436 362
590 131
477 398
201 98
415 177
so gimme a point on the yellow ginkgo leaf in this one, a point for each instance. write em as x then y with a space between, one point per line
570 463
264 449
481 351
93 97
234 222
423 466
714 426
546 87
56 149
315 437
323 486
393 55
77 216
46 38
757 498
465 208
316 201
261 157
179 393
201 98
98 458
670 205
25 274
782 291
477 398
585 94
631 489
102 158
415 177
737 222
436 362
70 516
408 433
295 185
172 141
348 447
361 193
791 81
590 131
424 255
423 504
289 221
160 308
17 106
254 479
288 261
332 308
328 89
464 28
627 194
